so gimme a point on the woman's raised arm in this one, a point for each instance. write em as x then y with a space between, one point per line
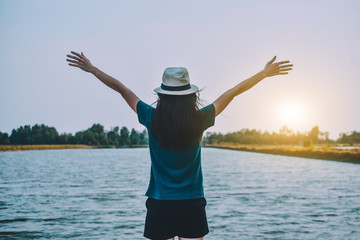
271 69
79 60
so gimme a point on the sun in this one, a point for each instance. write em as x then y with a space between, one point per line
291 114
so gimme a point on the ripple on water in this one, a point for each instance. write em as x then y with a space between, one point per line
99 193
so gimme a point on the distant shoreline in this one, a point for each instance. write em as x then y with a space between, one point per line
324 153
8 148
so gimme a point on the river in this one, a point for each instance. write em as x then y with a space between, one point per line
99 194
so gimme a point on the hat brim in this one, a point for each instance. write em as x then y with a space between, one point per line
192 89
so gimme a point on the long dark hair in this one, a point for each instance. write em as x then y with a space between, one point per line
177 122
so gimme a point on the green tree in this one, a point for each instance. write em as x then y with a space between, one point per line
4 138
124 136
42 134
351 138
134 137
66 138
113 136
314 134
94 135
20 135
144 137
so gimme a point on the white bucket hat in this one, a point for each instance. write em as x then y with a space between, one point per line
175 81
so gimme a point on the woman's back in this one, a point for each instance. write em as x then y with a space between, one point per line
175 173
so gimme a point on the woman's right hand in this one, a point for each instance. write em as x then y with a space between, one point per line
80 61
278 68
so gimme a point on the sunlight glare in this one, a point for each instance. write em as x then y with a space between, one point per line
291 114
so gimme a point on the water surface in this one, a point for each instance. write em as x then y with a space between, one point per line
99 194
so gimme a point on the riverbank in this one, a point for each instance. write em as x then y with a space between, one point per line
325 153
4 148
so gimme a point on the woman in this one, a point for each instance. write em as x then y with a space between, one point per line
176 203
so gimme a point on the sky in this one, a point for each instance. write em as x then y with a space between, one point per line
221 43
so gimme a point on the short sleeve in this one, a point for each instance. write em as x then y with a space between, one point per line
144 112
209 116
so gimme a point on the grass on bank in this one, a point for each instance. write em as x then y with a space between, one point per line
41 147
4 148
320 152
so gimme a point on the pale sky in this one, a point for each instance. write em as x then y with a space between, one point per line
220 42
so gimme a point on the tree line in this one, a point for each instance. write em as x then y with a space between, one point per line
95 136
284 136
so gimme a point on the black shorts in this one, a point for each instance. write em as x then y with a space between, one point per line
169 218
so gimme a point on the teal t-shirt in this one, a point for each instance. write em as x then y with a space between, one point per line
174 175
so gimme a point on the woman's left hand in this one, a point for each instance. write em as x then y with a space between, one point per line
80 61
278 68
